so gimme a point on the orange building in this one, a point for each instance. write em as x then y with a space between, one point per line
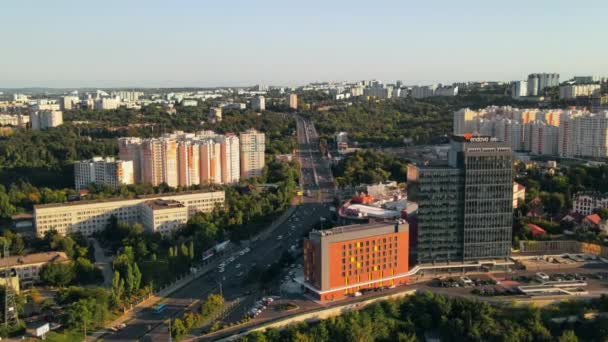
345 260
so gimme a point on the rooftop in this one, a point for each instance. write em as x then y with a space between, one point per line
35 258
160 204
353 228
115 199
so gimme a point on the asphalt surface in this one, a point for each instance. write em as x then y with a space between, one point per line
316 181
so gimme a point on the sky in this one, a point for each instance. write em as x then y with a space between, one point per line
191 43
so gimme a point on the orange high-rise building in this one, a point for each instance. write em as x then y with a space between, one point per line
345 260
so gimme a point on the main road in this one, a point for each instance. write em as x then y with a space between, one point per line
267 248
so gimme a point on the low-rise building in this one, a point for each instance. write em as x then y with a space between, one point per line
163 216
44 119
519 194
585 203
88 217
348 259
27 267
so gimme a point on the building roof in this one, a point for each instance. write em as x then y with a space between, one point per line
536 230
35 258
594 219
373 228
116 199
161 204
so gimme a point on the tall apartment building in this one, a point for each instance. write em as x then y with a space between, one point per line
215 115
293 101
537 83
69 102
43 119
543 138
107 103
230 158
152 164
17 120
128 96
103 171
188 155
420 92
130 149
583 135
258 103
88 217
253 147
519 89
169 159
343 260
464 121
465 206
572 91
210 162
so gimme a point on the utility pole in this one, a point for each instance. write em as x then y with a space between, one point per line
10 306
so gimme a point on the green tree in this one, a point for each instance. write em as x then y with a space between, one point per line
568 336
57 274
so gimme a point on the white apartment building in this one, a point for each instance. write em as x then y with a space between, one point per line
253 147
543 138
128 96
293 101
107 103
586 203
420 92
43 119
103 171
16 120
258 103
230 158
88 217
446 91
519 89
572 91
130 149
69 102
583 134
163 216
215 114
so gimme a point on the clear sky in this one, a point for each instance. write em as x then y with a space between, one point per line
61 43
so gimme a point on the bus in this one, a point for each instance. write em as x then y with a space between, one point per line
160 308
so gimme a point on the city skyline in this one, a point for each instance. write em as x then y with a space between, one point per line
158 44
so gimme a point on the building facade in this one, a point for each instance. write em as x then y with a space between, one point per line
258 103
344 260
103 171
586 203
253 148
88 217
293 101
163 216
43 119
464 206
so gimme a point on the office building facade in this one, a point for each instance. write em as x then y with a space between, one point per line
465 206
344 260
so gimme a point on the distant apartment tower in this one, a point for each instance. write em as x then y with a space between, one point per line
253 147
519 89
258 103
348 259
464 206
293 101
69 102
103 171
210 167
583 135
215 114
188 154
107 103
152 163
572 91
420 92
537 83
43 119
230 158
130 149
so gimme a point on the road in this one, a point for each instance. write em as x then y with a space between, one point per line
316 180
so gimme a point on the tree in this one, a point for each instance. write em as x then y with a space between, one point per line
178 328
78 314
568 336
57 274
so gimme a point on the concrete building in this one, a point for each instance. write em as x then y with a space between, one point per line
464 205
189 103
107 103
519 89
537 83
583 134
230 158
27 267
464 121
421 92
293 101
253 148
88 217
586 203
44 119
543 138
572 91
188 163
103 171
344 260
446 91
215 115
128 96
130 149
210 162
15 120
258 103
519 194
163 216
69 102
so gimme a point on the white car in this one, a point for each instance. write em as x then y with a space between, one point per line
237 266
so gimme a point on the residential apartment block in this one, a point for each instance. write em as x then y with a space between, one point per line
568 133
103 171
88 217
253 147
43 119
